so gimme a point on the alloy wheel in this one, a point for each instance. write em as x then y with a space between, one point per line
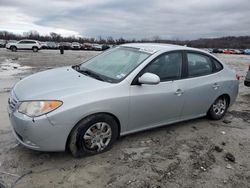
220 106
98 136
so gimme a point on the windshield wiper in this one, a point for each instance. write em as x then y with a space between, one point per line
76 67
90 73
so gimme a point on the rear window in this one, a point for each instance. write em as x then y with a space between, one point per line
198 65
217 65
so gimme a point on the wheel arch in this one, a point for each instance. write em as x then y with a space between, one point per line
227 96
98 113
222 95
13 46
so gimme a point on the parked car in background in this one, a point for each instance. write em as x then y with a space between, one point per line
24 45
85 108
2 43
247 79
75 46
97 47
207 50
228 51
52 45
247 51
217 50
86 46
235 51
105 47
65 45
43 45
241 51
11 41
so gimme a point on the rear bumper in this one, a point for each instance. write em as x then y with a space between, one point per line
247 83
247 79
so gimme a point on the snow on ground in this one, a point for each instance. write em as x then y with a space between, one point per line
10 67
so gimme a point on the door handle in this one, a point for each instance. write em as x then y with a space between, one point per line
216 86
179 92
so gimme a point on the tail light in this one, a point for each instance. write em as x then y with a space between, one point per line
237 76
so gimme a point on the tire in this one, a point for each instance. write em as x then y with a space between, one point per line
94 134
218 108
2 184
34 49
13 48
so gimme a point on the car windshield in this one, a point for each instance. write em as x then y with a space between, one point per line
115 64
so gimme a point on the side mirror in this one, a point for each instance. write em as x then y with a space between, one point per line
149 78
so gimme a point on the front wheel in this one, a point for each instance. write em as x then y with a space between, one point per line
93 135
13 48
218 108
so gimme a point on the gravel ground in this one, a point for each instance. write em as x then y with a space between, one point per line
196 153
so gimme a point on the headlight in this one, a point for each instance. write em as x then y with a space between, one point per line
38 108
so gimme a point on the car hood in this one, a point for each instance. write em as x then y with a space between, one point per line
55 84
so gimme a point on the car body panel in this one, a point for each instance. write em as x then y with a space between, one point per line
150 105
57 83
199 95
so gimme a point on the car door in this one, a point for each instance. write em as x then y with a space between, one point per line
21 44
201 85
154 105
29 44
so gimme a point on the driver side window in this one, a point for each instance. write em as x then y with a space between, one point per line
22 42
167 66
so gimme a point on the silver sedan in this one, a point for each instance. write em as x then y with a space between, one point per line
130 88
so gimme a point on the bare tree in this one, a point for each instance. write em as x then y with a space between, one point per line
242 42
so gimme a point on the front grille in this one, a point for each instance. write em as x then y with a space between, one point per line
13 101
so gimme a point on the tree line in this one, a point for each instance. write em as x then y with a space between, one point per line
242 42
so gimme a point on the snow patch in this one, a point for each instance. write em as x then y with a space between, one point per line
9 68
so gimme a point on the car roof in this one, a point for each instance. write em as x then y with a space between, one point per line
28 40
155 47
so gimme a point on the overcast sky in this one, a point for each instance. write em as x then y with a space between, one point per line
168 19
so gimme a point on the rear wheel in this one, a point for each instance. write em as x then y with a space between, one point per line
93 135
13 48
218 108
35 49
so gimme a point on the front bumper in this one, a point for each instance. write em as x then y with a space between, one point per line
37 133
